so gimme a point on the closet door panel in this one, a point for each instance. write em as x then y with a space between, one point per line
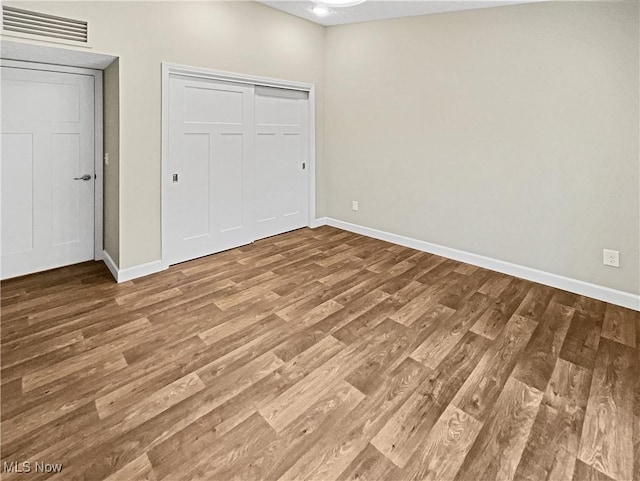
228 182
195 189
210 202
281 161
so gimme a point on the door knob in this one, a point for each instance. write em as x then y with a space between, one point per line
84 177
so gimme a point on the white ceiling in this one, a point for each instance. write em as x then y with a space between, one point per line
381 9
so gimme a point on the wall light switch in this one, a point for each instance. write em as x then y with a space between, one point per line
611 258
106 159
354 205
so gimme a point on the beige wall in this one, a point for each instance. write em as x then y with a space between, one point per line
507 132
111 81
244 37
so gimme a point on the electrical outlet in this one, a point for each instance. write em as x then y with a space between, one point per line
611 258
354 205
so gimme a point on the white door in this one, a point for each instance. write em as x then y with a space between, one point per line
47 170
281 163
209 182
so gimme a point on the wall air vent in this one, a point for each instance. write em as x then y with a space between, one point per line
19 22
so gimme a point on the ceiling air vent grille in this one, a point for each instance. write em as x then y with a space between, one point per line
17 20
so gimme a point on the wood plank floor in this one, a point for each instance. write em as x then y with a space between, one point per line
316 355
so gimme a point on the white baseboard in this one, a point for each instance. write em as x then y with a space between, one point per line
140 271
317 222
124 275
606 294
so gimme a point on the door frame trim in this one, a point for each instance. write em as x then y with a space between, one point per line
169 69
97 139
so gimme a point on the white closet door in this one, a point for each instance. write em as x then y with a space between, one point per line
47 170
281 163
210 179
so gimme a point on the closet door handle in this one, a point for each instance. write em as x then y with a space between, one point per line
85 177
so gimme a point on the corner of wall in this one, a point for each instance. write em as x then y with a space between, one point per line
112 153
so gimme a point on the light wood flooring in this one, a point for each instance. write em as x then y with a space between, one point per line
317 354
